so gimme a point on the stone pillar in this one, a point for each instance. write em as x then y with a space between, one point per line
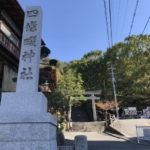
25 123
94 110
28 75
93 98
81 142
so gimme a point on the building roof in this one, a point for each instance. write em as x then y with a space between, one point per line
16 12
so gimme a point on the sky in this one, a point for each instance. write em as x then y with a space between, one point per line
72 28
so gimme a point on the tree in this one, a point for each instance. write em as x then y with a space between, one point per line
92 69
131 60
70 85
107 105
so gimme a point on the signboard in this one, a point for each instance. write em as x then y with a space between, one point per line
130 111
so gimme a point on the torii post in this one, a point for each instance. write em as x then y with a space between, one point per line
93 98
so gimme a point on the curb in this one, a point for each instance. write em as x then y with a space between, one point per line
120 137
125 138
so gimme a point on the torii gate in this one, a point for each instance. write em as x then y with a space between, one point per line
93 98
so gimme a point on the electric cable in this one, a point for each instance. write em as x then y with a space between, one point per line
110 18
146 24
117 20
106 22
134 14
124 17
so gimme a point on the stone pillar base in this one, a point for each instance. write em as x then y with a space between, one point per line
25 123
27 132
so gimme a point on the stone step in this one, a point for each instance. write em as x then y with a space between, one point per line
78 114
88 126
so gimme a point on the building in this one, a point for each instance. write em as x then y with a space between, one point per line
11 27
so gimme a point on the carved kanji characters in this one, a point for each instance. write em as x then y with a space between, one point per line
31 41
28 55
31 27
32 13
26 74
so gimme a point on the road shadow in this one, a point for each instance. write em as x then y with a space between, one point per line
112 145
116 145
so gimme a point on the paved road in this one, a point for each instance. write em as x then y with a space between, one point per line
104 142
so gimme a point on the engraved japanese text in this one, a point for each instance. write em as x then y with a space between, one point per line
31 41
26 74
31 27
32 13
28 55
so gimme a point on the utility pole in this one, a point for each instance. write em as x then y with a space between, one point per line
114 90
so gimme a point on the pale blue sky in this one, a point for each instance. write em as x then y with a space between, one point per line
74 27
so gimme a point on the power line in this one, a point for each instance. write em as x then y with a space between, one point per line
146 24
124 17
113 16
137 2
110 18
117 20
106 22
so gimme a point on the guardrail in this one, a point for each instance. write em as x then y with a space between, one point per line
143 133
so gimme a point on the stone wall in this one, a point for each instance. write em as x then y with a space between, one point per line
88 126
127 127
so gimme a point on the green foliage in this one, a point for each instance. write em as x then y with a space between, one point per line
91 67
62 126
70 85
56 102
131 59
93 54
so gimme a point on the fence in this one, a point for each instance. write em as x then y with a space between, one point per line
143 133
66 148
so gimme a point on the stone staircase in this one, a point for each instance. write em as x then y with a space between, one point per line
81 121
78 113
88 126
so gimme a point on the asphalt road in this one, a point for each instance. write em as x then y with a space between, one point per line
105 142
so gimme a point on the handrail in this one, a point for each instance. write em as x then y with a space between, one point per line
9 45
